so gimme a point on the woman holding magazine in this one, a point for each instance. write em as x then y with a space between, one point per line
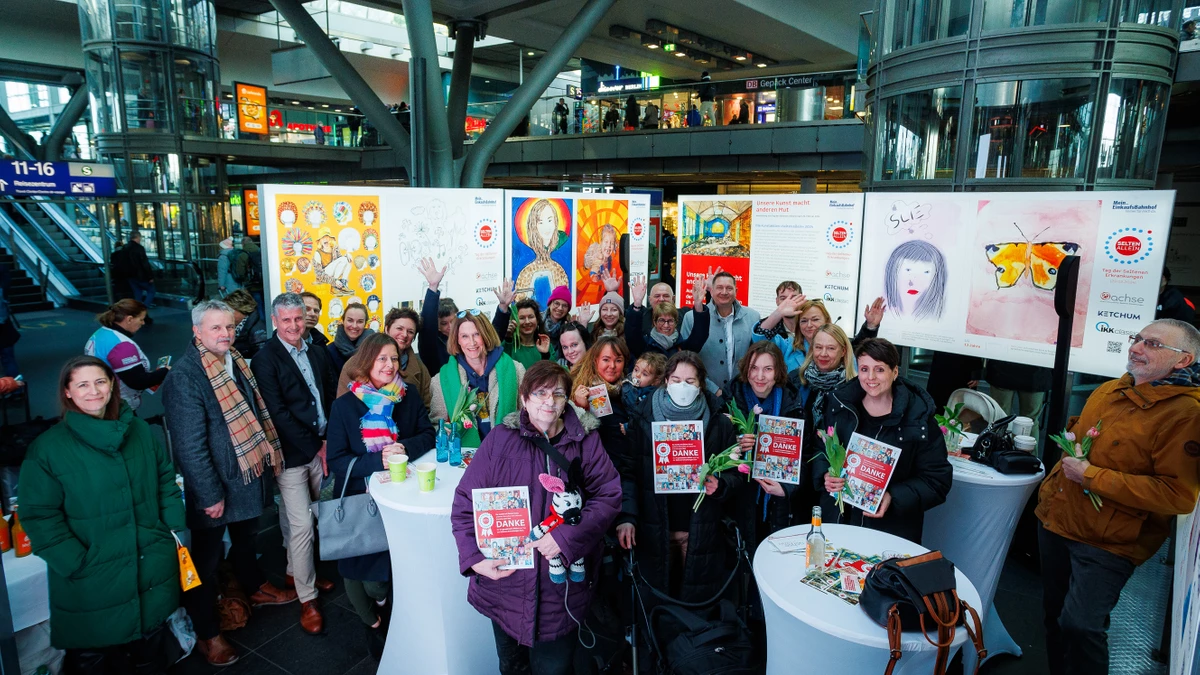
545 445
828 364
881 405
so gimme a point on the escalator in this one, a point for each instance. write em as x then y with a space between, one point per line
74 256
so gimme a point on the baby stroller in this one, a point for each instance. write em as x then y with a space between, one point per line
979 410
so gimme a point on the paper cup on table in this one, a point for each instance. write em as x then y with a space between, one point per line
1025 443
398 468
426 475
1022 426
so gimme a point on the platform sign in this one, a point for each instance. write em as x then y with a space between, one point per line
74 179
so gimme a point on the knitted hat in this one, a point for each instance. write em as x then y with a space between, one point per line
614 298
561 293
227 242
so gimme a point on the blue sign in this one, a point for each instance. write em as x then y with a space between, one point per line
73 179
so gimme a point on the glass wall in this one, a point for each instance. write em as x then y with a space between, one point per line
1032 128
1132 132
1009 14
919 134
913 22
1150 12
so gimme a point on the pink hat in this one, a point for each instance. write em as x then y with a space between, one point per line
614 298
561 293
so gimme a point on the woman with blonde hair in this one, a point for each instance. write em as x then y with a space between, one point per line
828 364
477 360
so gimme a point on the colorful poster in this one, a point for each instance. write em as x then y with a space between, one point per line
251 108
678 454
250 206
975 273
541 227
778 449
869 468
503 524
602 223
713 234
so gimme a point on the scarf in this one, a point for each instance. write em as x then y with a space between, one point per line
665 409
255 442
822 383
1184 377
345 346
477 380
770 406
378 427
505 398
664 341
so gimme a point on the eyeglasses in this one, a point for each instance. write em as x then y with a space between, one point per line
1154 344
543 395
473 312
664 321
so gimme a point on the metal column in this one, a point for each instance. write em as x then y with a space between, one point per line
439 156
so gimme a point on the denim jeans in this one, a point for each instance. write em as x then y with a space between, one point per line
555 657
143 291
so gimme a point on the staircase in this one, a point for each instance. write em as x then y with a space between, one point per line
67 256
24 294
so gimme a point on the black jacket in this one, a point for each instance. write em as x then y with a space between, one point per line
289 401
137 263
251 335
317 339
1172 304
639 340
923 475
431 344
345 443
709 557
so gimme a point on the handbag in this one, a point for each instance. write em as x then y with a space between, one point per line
920 591
714 642
189 578
995 448
350 526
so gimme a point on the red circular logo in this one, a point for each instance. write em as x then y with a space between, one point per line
839 234
485 233
637 229
1128 245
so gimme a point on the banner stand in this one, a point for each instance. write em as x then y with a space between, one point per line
1060 386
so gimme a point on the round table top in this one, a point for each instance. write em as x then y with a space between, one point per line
967 471
408 497
779 574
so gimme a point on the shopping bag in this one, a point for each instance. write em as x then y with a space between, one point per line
188 577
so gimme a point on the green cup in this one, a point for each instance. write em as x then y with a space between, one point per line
398 468
426 475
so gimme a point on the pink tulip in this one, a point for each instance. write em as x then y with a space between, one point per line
467 424
1093 432
829 431
757 410
944 429
1070 436
744 468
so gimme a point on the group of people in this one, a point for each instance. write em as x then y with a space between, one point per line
558 400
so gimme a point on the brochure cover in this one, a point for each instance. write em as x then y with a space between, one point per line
778 449
598 401
678 454
502 525
869 467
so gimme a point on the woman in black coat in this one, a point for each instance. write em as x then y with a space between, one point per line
382 417
883 406
679 551
663 337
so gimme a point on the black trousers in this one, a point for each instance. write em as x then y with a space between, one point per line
1081 585
555 657
207 552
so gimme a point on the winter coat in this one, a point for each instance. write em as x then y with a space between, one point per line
288 399
640 342
431 344
415 375
713 352
344 435
225 262
922 476
251 335
527 605
1173 304
1145 466
203 449
708 555
138 262
99 502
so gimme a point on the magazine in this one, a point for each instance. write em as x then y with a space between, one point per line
869 468
599 402
502 525
678 454
843 575
778 446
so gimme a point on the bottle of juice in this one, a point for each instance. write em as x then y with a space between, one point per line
5 536
815 549
20 539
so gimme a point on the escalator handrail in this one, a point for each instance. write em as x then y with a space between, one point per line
69 228
30 258
45 235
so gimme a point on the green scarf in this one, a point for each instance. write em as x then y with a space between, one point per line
506 397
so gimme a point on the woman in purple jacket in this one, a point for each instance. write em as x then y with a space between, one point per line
534 618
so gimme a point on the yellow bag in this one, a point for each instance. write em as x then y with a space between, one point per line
189 578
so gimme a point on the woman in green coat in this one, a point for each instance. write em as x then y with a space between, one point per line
99 502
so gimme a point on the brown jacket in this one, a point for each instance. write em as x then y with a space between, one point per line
1145 465
417 376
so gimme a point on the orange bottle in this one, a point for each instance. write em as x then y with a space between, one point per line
20 539
5 536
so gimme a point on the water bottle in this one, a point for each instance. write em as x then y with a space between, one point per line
455 450
443 443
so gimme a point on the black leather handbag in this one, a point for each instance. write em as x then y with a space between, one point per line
995 448
920 592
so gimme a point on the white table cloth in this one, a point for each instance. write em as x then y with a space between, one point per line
28 590
442 633
974 528
809 631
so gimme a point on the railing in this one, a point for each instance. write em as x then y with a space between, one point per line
181 278
45 236
72 231
34 261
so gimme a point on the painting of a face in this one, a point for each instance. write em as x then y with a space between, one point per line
545 225
915 277
326 244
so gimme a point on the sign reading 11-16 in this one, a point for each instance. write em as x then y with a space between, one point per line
75 179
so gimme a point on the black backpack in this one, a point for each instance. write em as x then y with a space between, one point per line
714 642
15 439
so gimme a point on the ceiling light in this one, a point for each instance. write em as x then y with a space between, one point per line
740 57
761 65
680 54
528 53
324 105
295 102
651 42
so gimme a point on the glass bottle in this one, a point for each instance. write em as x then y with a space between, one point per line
815 544
20 539
5 536
443 447
455 450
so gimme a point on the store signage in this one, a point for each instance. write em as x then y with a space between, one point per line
476 125
574 92
275 118
251 101
77 179
628 84
253 226
784 82
309 128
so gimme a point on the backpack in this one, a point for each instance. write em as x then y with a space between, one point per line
244 268
711 643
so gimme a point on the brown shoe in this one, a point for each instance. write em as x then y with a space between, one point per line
310 618
218 652
268 594
323 585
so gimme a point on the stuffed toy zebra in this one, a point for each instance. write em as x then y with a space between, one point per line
566 506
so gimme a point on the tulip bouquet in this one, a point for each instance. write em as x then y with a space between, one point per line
745 423
951 426
1080 450
462 413
728 458
835 454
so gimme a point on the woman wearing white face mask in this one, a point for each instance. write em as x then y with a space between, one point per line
680 551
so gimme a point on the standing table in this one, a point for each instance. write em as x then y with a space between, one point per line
28 590
809 631
974 528
442 633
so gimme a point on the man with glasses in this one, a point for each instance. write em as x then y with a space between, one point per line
1144 466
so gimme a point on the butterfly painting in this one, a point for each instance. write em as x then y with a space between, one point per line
1040 258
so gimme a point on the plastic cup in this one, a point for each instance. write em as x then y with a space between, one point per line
398 468
1022 426
426 475
1025 443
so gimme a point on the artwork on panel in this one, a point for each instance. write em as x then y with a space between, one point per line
429 228
602 223
915 280
715 234
541 246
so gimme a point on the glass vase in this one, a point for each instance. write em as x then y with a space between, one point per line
953 441
455 450
443 443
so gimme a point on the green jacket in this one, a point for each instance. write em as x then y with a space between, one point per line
99 501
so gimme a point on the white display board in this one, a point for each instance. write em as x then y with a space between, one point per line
763 240
974 273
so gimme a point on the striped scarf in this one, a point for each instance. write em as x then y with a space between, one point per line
378 427
254 439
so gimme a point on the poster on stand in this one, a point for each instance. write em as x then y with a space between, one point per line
975 273
713 234
541 229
